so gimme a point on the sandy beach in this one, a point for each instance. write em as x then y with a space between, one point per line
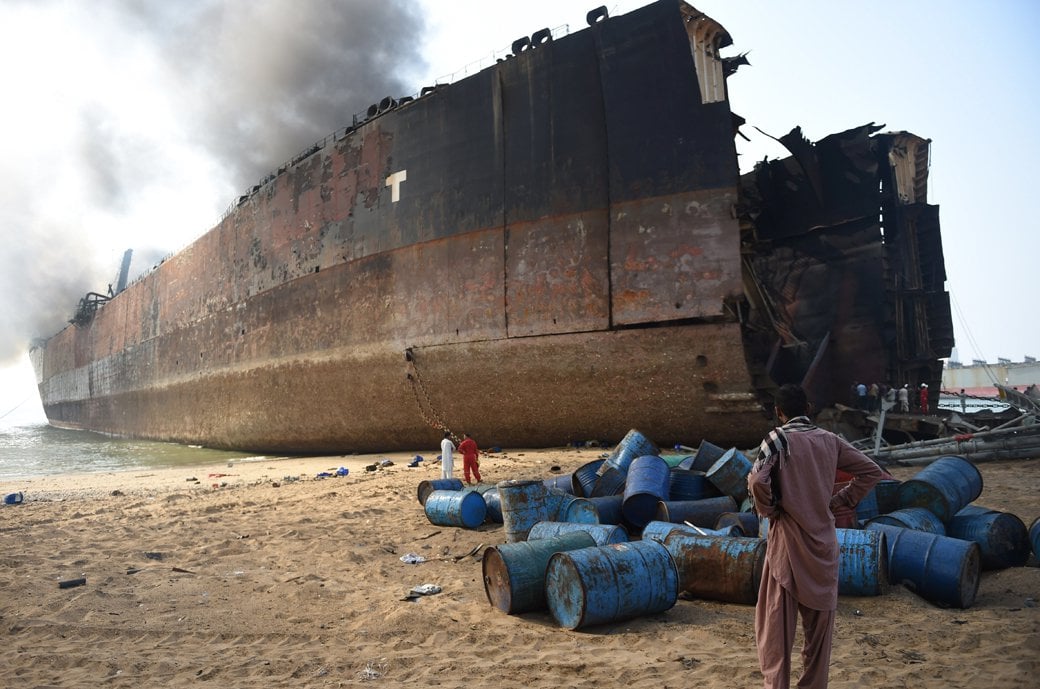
260 574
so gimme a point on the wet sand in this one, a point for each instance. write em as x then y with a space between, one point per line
260 574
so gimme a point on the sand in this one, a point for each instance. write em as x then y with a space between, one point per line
248 580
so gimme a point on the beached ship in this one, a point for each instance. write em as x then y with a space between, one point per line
557 248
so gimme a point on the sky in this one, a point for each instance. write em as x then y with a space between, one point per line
136 123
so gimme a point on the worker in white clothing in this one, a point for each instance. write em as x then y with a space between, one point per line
447 448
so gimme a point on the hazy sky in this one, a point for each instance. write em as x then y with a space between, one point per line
135 123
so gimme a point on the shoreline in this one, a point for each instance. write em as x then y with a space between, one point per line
253 471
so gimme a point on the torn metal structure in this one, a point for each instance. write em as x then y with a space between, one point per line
843 264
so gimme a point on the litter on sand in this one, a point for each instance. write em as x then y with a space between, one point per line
412 559
422 590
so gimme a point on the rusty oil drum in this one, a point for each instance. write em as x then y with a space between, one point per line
610 583
523 504
703 513
514 573
721 568
603 534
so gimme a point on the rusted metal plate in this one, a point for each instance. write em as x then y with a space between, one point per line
674 257
557 275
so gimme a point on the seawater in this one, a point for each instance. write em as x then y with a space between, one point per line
37 449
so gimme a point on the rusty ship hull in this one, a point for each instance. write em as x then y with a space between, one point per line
557 248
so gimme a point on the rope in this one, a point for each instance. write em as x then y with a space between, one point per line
15 407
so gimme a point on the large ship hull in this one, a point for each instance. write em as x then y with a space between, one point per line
557 248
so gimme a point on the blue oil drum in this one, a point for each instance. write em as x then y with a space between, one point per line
940 569
707 455
584 478
660 530
1002 537
523 504
610 583
563 483
862 562
747 522
729 474
703 513
608 507
645 486
944 487
917 518
455 508
610 482
602 534
514 573
881 499
633 445
427 487
886 491
719 568
576 509
553 500
494 506
688 484
1034 537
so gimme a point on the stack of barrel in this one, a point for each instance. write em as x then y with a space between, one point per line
627 534
682 511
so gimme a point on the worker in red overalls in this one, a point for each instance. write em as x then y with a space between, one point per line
924 398
470 458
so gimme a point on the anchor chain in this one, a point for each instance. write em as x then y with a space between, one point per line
427 411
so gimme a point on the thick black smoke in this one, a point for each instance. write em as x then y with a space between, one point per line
247 84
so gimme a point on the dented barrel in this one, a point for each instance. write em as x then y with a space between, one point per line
610 583
729 474
633 445
719 568
523 504
584 478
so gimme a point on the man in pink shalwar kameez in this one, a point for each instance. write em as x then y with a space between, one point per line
791 483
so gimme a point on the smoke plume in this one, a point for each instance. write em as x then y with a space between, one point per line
134 124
